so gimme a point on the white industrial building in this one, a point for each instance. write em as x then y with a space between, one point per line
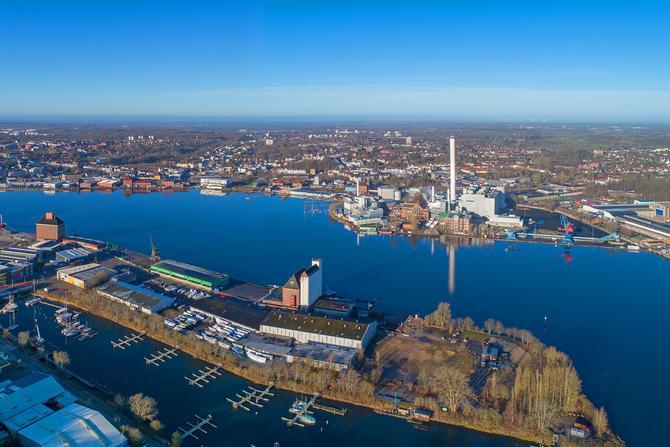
505 220
362 210
389 193
214 182
320 330
74 426
38 411
136 297
485 202
85 276
311 284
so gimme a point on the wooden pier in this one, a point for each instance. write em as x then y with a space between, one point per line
203 376
160 357
252 396
304 410
197 427
328 409
127 340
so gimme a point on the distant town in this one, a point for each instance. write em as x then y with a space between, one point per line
468 181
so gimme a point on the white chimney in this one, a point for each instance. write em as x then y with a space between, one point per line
452 169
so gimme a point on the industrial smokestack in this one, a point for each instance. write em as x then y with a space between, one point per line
452 169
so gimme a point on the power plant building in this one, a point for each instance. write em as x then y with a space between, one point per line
484 202
452 169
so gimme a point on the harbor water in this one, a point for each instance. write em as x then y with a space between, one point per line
606 309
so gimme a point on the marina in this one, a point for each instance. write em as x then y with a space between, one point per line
301 411
596 306
252 396
203 377
161 356
127 340
197 427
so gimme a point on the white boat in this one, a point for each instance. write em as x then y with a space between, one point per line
169 323
223 344
69 332
305 418
32 302
255 356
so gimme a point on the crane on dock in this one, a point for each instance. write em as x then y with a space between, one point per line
155 254
565 235
568 231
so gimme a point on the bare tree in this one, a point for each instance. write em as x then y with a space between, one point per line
133 434
440 317
156 425
348 381
23 338
61 359
176 440
144 407
600 421
451 386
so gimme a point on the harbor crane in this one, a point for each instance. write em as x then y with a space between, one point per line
155 254
568 230
565 235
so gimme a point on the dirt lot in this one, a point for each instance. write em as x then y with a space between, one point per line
403 358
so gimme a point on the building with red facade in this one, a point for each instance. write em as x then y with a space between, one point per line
50 228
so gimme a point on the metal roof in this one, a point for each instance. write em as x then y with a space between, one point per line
74 426
350 329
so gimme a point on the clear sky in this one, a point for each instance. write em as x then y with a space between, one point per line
497 60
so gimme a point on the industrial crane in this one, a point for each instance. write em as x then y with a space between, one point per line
567 229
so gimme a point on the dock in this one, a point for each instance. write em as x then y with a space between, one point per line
203 377
127 340
304 410
252 396
160 357
328 409
197 427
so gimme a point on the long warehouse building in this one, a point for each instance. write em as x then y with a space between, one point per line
190 274
320 330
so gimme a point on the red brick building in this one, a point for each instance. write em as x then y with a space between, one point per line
127 182
50 228
458 224
290 293
411 211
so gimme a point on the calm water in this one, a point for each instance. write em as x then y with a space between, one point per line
607 309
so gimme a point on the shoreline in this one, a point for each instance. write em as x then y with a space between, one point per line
152 326
377 406
349 226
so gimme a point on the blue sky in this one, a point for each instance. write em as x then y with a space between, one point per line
498 60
